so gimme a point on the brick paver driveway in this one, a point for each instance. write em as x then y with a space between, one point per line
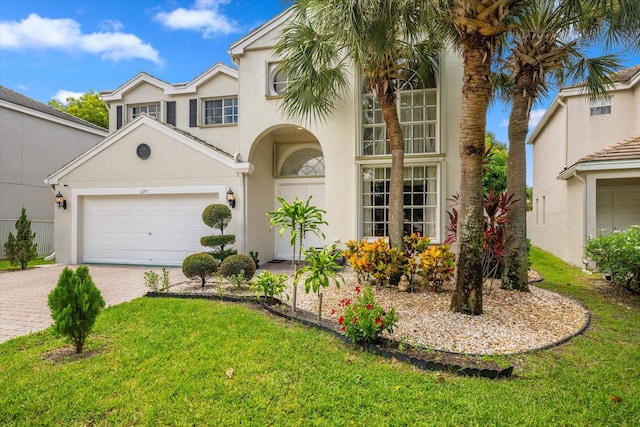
23 294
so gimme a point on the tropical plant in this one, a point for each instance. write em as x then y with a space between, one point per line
20 249
75 304
386 41
364 320
239 265
201 266
414 244
320 271
254 256
547 45
494 175
374 262
269 285
218 216
618 256
437 265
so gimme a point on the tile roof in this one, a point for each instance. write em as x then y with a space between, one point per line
18 99
629 149
627 74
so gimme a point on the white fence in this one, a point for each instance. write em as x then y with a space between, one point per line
42 228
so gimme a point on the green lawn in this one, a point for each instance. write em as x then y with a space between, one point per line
164 362
4 264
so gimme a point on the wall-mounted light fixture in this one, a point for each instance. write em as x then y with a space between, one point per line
231 198
60 201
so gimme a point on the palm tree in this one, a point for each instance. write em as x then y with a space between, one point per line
547 43
384 40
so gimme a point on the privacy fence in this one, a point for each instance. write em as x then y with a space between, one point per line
42 228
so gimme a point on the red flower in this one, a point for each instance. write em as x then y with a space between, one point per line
355 320
358 289
369 306
348 302
333 311
378 321
343 329
341 320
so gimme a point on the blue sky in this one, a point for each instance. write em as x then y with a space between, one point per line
52 49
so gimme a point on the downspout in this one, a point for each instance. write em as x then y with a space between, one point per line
584 210
245 215
566 132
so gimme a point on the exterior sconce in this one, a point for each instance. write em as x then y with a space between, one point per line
60 201
231 198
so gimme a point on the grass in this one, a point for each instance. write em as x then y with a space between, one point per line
164 362
4 263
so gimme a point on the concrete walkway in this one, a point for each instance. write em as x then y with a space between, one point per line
23 294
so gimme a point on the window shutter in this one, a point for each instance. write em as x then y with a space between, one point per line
171 112
118 116
193 113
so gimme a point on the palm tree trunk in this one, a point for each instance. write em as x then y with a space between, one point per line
476 94
515 272
396 184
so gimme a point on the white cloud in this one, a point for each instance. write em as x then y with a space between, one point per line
111 25
534 118
62 95
22 87
203 17
35 32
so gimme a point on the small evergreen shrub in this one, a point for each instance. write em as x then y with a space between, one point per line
618 255
75 304
201 265
151 279
20 249
238 264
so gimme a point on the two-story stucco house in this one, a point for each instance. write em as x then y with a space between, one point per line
175 148
35 140
586 167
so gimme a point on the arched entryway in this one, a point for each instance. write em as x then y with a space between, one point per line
289 163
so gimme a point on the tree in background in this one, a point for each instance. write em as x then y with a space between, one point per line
21 249
386 41
495 167
88 107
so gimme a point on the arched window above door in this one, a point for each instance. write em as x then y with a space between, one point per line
303 162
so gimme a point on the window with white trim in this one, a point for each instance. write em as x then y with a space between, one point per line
221 111
303 162
421 195
601 106
277 80
418 113
152 110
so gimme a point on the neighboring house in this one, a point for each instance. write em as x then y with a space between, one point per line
137 197
586 167
35 140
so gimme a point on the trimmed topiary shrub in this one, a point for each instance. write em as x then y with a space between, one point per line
239 264
75 304
218 216
201 265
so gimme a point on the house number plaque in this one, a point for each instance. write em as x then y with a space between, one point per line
143 151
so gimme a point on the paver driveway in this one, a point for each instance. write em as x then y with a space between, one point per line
23 294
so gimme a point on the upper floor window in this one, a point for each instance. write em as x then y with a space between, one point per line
601 106
418 111
277 80
152 110
221 111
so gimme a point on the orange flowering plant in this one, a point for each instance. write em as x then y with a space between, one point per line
437 265
374 262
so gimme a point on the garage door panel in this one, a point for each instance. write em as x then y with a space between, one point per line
146 230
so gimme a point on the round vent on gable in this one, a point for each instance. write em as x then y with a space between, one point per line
143 151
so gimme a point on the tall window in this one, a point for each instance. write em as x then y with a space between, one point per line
600 106
221 111
420 201
418 118
151 109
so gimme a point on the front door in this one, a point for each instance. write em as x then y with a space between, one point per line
302 189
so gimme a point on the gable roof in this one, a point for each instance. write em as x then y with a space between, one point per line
623 79
239 47
17 101
168 88
623 155
186 138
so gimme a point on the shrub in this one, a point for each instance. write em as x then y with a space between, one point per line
269 285
618 255
201 265
437 265
20 248
218 216
364 320
75 304
166 283
238 265
151 279
374 262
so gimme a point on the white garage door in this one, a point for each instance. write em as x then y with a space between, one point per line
145 230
